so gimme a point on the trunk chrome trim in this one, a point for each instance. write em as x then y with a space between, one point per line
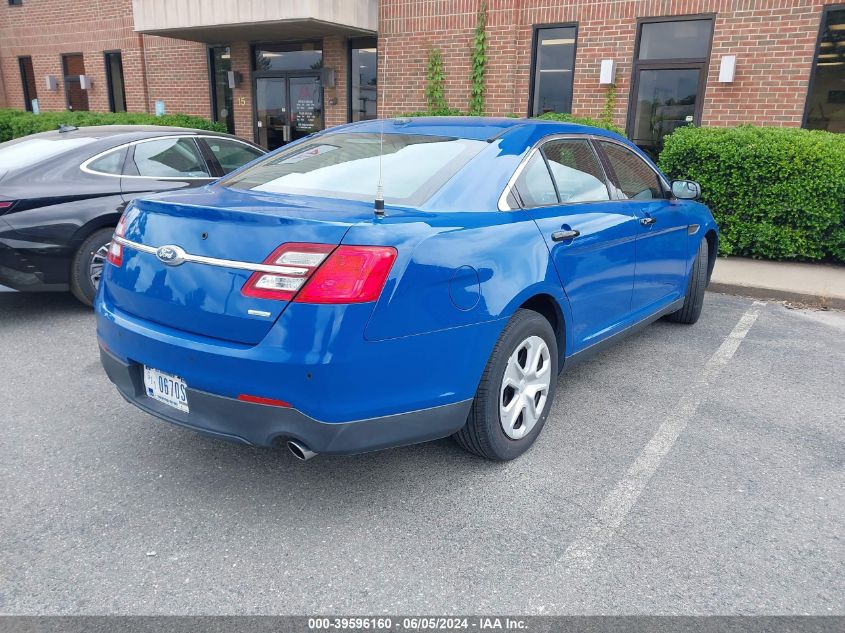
290 271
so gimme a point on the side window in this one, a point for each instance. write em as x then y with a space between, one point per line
231 154
633 175
576 171
111 163
169 158
534 185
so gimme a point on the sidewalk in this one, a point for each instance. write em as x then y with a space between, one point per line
816 284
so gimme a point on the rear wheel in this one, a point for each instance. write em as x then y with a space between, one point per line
515 392
87 266
694 299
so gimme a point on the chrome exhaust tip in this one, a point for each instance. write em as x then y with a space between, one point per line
300 451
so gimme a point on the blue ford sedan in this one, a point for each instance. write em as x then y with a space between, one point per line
397 281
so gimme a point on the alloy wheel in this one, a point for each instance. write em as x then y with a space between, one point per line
98 260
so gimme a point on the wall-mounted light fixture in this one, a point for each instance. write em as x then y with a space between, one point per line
727 69
85 82
607 75
51 82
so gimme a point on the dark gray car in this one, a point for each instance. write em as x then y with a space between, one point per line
62 192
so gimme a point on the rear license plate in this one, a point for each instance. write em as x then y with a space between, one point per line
166 388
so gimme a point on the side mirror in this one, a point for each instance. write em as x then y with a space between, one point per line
686 189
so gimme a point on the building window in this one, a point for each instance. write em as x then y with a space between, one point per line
73 67
282 57
363 58
826 96
553 65
15 3
114 77
30 93
219 65
670 70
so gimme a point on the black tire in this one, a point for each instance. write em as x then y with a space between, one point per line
80 268
694 299
483 433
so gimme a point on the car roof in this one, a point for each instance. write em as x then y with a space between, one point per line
469 127
123 133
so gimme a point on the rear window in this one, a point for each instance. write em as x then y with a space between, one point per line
30 151
346 165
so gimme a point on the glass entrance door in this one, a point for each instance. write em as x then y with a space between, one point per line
306 105
287 107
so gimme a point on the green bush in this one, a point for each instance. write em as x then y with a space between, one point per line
441 112
581 120
777 193
17 123
548 116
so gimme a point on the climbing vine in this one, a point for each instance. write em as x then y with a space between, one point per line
609 105
479 61
435 80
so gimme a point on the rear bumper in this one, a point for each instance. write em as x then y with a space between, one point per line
263 425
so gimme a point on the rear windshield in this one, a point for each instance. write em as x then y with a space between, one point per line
29 151
346 165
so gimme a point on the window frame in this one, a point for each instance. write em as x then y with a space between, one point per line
109 84
510 190
212 159
604 171
68 78
702 64
213 97
535 38
85 166
25 84
816 51
357 43
617 193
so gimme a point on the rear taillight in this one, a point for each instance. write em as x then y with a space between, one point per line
322 273
115 255
351 274
296 262
5 205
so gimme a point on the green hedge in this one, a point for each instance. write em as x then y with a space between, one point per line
777 193
548 116
581 120
440 112
16 123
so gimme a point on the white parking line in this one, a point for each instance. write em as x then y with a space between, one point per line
616 506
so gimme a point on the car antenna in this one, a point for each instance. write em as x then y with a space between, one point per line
378 204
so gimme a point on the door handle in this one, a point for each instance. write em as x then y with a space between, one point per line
648 221
286 133
560 236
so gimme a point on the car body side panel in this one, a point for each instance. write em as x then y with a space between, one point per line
661 252
455 270
596 269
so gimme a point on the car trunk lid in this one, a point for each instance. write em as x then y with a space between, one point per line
225 229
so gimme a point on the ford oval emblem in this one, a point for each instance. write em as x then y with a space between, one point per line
171 255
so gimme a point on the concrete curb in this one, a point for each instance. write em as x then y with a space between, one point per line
776 294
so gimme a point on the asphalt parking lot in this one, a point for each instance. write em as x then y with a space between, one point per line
688 470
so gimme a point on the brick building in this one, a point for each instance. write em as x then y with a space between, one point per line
277 69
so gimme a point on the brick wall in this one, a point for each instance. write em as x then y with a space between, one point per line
334 56
177 73
773 39
153 67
